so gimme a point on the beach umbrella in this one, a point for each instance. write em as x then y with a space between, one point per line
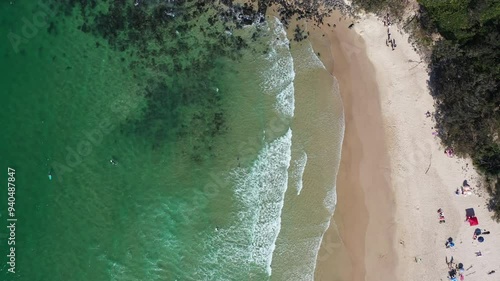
473 221
480 239
470 212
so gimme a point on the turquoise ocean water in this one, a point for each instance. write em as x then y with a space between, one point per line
197 108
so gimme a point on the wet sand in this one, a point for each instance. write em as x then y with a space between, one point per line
394 173
365 201
423 177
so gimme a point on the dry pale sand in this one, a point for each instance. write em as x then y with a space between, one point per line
423 177
394 174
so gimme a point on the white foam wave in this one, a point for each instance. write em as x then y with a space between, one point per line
304 270
261 191
285 101
314 61
308 59
297 257
278 77
304 267
330 200
245 247
298 168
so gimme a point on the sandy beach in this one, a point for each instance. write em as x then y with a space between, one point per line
394 174
365 201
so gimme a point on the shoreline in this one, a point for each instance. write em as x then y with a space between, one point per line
424 178
363 183
394 173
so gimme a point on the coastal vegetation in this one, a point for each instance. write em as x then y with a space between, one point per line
394 7
465 77
464 81
464 65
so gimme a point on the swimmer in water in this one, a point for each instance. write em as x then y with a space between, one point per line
113 162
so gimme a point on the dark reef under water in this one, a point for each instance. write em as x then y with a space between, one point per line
188 100
177 50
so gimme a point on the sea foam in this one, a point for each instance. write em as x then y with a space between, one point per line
298 168
261 192
245 248
278 78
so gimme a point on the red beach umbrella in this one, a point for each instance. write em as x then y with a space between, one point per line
473 221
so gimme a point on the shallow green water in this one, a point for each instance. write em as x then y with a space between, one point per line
202 147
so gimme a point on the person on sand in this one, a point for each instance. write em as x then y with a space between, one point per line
449 243
452 273
441 216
